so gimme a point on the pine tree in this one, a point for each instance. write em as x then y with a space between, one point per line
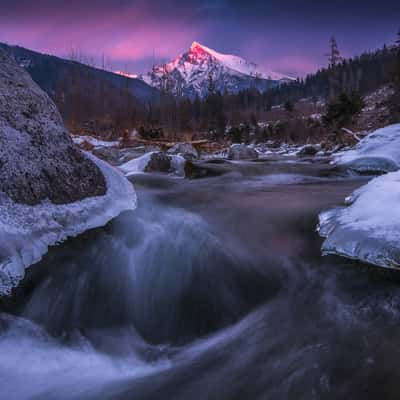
334 59
334 53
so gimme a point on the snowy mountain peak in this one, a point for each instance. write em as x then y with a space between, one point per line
189 74
196 45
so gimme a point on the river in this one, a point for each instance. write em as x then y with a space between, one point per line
212 288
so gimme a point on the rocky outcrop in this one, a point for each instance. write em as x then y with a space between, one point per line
38 159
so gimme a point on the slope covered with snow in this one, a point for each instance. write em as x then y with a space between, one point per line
376 153
190 73
368 229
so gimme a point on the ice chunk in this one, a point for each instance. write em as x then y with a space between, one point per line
378 152
26 232
368 229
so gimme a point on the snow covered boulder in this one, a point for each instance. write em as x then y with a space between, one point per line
158 162
368 229
242 152
379 152
49 189
186 150
154 161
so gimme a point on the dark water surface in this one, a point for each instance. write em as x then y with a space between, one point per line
211 289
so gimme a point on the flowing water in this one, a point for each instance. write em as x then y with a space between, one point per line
212 289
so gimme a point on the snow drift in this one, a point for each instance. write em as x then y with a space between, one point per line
26 231
368 229
379 152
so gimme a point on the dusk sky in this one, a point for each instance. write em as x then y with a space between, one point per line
289 36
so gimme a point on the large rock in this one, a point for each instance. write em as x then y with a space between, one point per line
309 150
38 159
242 152
49 189
158 162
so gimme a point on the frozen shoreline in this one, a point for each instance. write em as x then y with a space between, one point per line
368 228
26 232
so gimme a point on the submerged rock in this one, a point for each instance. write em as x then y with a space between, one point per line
38 159
242 152
204 170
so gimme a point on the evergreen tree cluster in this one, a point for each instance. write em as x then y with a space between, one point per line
360 74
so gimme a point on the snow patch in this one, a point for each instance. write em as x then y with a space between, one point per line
377 152
26 232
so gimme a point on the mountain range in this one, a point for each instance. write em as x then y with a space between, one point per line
201 70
